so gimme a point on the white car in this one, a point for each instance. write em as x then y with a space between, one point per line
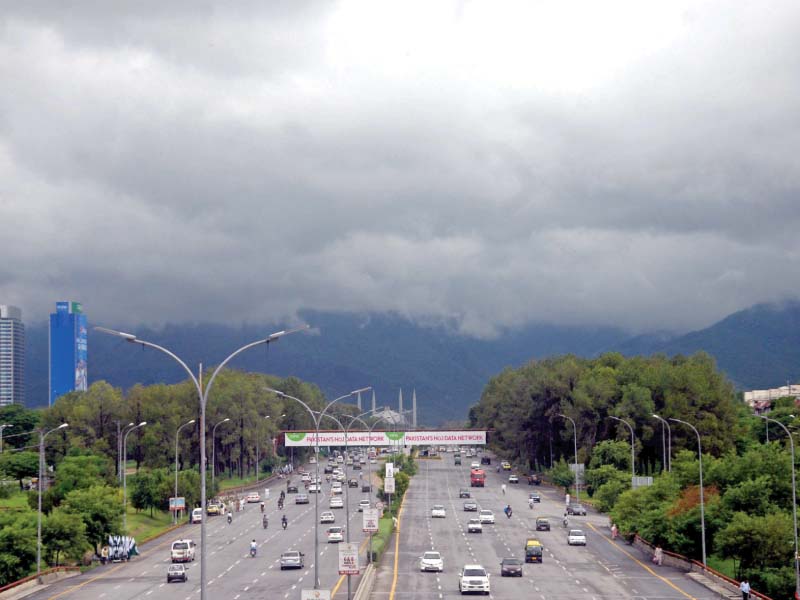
473 578
438 511
576 537
327 517
474 526
197 515
486 516
336 502
431 561
335 535
362 505
253 497
513 479
475 465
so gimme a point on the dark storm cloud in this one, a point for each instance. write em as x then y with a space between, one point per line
443 161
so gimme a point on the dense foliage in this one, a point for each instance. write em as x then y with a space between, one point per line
746 480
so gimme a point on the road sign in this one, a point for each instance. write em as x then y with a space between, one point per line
315 595
370 520
389 470
388 485
348 558
379 505
177 504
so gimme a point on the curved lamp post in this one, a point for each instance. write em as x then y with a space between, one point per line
42 435
702 503
214 450
316 417
203 399
175 512
794 503
575 437
125 474
666 447
633 463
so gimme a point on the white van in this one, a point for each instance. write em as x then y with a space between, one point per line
182 551
197 515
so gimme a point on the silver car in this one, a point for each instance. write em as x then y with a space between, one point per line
292 559
576 537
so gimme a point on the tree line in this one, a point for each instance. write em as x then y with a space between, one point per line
747 480
82 503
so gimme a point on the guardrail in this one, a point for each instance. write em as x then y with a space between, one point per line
673 559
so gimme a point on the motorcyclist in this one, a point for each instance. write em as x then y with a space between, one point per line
284 521
253 548
262 506
503 489
264 521
507 510
230 518
280 503
565 521
530 503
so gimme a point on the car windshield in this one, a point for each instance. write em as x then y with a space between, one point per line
431 555
180 546
474 522
335 530
486 512
474 573
576 532
511 561
438 507
290 555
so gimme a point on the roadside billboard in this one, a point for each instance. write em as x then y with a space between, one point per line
464 437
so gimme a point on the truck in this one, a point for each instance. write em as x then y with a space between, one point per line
477 478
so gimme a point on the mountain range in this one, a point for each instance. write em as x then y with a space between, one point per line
755 347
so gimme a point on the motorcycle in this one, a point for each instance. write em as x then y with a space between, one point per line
565 523
284 523
230 519
280 504
252 552
265 522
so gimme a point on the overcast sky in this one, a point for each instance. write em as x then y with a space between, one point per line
489 163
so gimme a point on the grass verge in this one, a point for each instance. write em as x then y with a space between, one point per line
141 526
381 539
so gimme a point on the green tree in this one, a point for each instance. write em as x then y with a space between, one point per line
616 454
19 465
146 489
23 421
100 508
17 545
63 534
562 475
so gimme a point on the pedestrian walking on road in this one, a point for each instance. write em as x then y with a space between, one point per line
744 587
658 556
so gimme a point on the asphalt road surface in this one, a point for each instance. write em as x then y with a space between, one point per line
232 573
601 570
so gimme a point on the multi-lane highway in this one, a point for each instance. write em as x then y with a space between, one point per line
601 570
233 574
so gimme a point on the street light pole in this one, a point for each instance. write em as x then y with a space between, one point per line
125 475
794 504
214 450
575 437
633 456
175 512
42 435
668 455
316 418
702 503
203 399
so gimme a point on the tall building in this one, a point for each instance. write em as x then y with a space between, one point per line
68 350
12 356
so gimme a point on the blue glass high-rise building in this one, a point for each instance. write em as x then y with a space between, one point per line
68 350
